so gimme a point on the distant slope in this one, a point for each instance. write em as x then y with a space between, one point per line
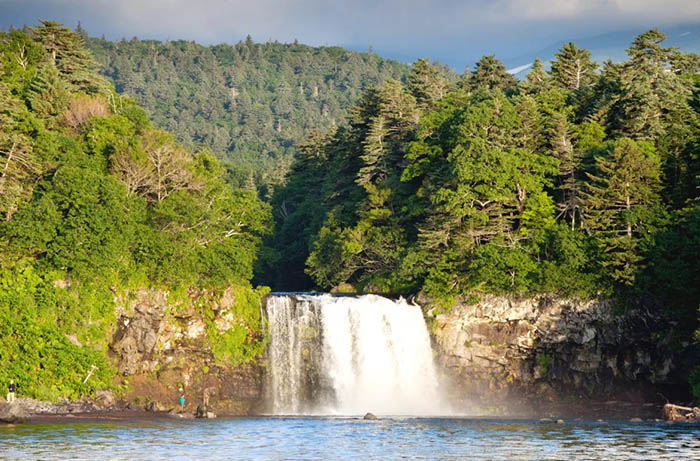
249 103
609 46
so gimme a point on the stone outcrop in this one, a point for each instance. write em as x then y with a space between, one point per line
13 413
501 353
162 350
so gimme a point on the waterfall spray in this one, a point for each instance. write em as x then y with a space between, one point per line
349 355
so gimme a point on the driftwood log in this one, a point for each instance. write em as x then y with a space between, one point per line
678 413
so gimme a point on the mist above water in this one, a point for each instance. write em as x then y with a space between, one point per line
348 355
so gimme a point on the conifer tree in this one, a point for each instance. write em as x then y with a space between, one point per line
563 150
426 84
464 79
67 52
649 90
620 201
48 94
572 67
18 165
491 73
389 123
537 79
603 104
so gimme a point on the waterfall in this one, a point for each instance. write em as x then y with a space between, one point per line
349 355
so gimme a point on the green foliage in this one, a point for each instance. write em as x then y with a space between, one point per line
243 341
35 321
571 183
544 362
97 200
694 382
248 103
572 67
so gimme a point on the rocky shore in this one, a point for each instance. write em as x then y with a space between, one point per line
26 410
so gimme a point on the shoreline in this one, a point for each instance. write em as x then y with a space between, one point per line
39 412
135 416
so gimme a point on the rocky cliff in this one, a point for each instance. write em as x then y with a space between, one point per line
508 356
162 346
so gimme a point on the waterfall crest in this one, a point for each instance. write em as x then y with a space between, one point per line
349 355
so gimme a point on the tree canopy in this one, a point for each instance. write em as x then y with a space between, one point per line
95 199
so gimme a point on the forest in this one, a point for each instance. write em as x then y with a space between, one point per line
306 168
97 200
582 180
248 103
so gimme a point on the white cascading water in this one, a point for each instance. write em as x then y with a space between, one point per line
348 355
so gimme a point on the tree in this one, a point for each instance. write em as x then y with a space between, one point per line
654 106
621 199
572 67
563 150
168 167
19 166
649 92
391 120
537 79
67 52
48 94
426 84
491 73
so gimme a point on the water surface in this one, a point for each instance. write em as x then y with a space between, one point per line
316 438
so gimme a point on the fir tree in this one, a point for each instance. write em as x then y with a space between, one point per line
491 73
426 84
537 79
621 198
572 67
48 94
67 52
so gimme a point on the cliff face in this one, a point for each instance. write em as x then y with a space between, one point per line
161 347
507 356
499 356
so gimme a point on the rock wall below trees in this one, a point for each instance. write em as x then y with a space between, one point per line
543 356
160 348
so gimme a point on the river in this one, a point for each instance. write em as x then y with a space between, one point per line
323 438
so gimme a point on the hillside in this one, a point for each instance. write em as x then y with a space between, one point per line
573 182
612 45
96 204
250 103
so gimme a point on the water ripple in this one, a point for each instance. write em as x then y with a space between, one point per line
319 438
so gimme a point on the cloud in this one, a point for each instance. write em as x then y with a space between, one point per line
440 28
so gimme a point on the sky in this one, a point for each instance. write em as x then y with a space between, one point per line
451 31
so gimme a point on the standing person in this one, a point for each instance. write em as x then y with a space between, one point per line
11 388
182 402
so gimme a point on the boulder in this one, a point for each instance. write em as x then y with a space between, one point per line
154 406
104 399
13 413
370 417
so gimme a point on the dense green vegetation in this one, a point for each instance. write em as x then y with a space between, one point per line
581 180
248 103
95 200
571 182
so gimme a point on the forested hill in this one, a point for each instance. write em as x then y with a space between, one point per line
583 180
249 102
579 181
94 201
